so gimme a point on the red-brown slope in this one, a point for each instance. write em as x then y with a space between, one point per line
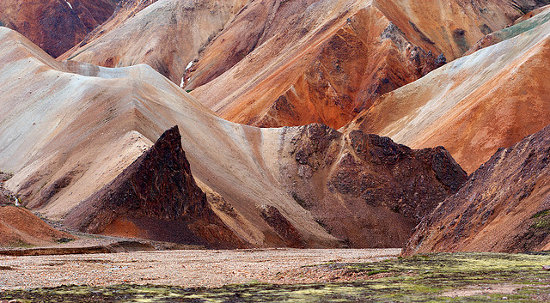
504 206
20 227
55 25
296 62
156 197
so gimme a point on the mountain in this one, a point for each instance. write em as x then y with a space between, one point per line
55 25
325 61
167 35
504 206
72 131
273 63
473 105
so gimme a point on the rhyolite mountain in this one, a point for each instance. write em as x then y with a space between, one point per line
73 130
79 138
55 25
272 63
504 206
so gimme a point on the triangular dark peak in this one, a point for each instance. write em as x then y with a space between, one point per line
156 197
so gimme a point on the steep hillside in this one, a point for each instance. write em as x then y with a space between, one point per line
166 34
156 198
473 105
504 206
55 25
72 129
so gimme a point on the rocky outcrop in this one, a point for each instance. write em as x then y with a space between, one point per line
156 197
504 206
55 25
364 189
284 229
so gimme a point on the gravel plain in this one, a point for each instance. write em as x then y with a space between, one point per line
187 268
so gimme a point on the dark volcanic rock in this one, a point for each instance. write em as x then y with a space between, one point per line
504 206
157 198
366 189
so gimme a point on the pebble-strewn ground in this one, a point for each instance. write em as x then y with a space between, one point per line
458 277
187 268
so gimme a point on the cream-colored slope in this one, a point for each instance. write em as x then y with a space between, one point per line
166 35
473 105
68 129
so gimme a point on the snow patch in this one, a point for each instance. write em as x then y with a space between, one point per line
189 65
181 84
69 4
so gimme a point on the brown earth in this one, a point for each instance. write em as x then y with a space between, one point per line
366 189
55 25
504 206
473 105
166 35
81 125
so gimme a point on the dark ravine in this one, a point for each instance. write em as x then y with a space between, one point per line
504 206
156 198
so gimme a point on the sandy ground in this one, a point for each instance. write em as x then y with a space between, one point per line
188 268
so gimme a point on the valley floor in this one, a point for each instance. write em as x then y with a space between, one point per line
277 275
187 268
